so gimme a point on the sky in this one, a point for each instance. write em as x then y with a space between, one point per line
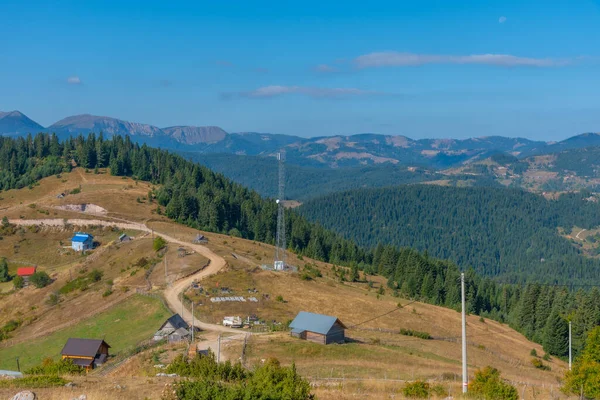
423 69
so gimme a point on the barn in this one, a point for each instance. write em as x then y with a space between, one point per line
174 329
82 241
87 353
318 328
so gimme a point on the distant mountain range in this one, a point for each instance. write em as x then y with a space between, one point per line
334 151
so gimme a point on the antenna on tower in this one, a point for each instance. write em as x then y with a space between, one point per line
280 245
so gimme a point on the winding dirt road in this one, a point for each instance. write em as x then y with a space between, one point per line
171 292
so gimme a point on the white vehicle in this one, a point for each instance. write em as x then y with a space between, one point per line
233 322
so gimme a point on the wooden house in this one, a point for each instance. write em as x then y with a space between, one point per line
87 353
318 328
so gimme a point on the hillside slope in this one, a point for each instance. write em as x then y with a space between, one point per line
373 351
507 234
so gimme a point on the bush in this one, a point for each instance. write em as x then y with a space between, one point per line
488 385
416 389
410 332
18 282
40 279
268 381
533 353
107 293
53 299
96 275
159 243
75 191
537 363
280 299
50 367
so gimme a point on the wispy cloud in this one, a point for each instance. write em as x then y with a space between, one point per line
314 92
74 80
397 59
502 19
324 68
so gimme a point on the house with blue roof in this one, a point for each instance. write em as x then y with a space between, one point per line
82 241
318 328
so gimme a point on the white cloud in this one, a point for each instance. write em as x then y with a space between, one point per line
276 90
502 19
397 59
326 68
74 80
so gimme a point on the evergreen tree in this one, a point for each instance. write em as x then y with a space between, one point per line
556 334
4 277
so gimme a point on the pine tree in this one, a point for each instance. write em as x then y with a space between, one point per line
556 334
4 277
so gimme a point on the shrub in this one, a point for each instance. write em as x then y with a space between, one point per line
416 389
75 191
50 367
18 282
96 275
410 332
533 353
53 299
546 357
280 299
159 243
488 385
537 363
40 279
107 293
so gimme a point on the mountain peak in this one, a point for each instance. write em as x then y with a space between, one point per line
16 123
196 134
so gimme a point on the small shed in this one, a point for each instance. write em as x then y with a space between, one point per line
87 353
173 329
124 238
318 328
26 272
200 239
82 241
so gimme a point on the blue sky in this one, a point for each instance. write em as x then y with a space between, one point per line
425 68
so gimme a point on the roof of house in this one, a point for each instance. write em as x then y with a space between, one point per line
81 237
318 323
25 271
176 322
82 347
181 332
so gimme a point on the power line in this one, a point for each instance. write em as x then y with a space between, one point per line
383 315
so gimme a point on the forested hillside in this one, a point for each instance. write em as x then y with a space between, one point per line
195 196
304 182
508 234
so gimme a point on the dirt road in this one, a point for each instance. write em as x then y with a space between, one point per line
172 292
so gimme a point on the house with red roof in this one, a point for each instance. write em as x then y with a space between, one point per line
26 272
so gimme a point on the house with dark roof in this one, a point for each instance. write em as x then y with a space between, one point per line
82 241
174 329
318 328
87 353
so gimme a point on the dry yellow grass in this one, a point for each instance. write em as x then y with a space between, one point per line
371 354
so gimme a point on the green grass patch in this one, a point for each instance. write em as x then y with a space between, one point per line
123 326
33 382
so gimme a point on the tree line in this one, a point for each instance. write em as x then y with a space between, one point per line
195 196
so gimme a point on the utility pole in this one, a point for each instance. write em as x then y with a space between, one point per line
166 273
570 345
464 334
18 366
219 349
192 322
